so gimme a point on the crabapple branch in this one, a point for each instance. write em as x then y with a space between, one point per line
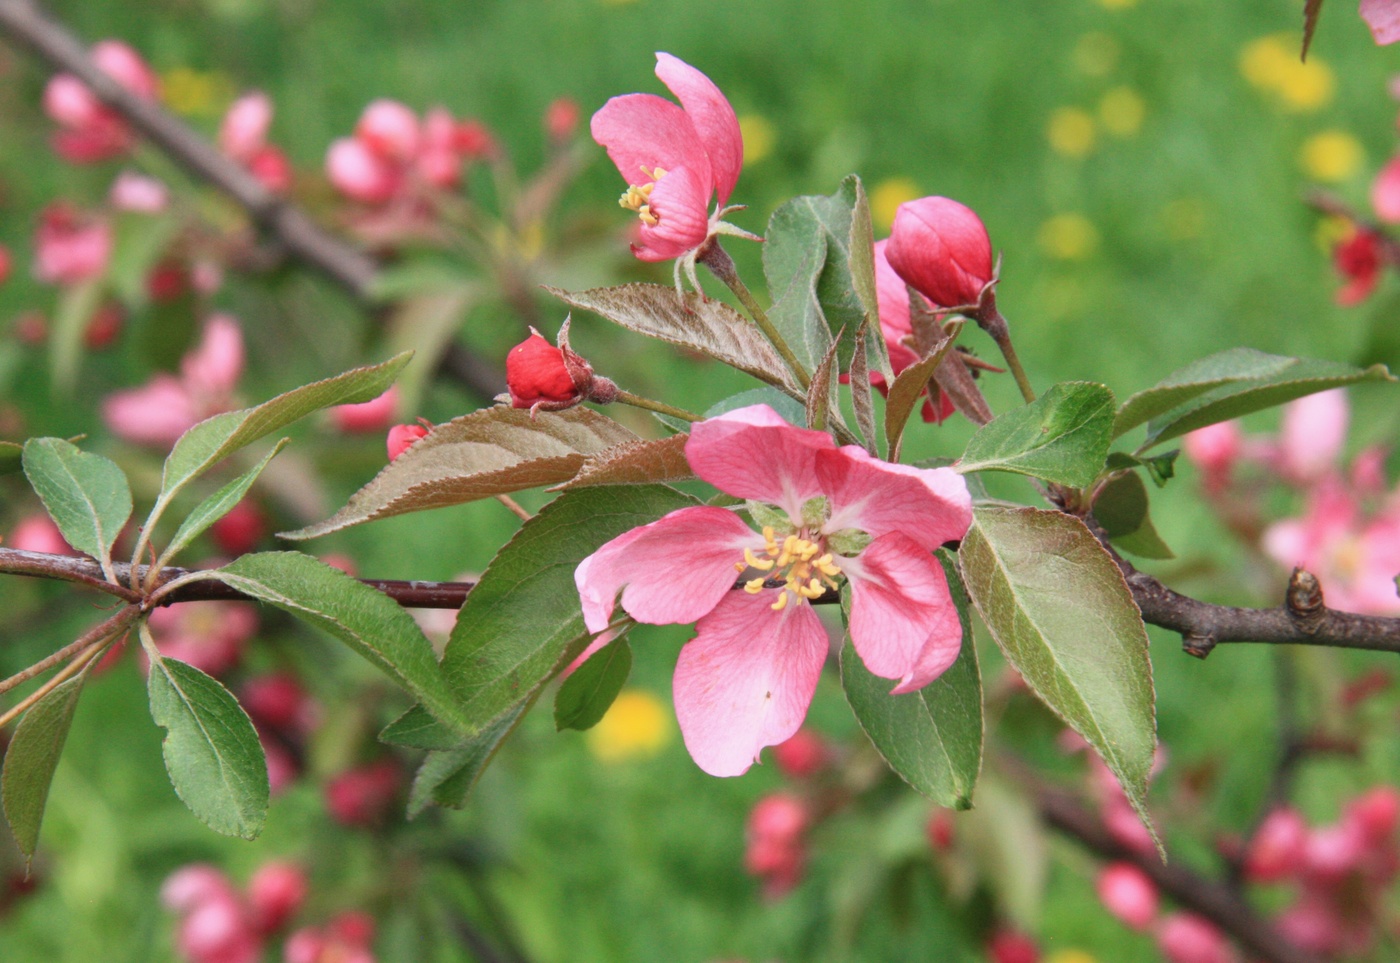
28 25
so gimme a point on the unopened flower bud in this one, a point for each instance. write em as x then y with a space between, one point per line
804 754
561 119
941 248
1184 938
402 437
275 893
5 264
1276 850
543 376
1128 894
1007 946
390 130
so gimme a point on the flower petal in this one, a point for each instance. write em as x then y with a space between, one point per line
930 505
903 622
644 130
709 110
681 201
753 453
745 681
674 570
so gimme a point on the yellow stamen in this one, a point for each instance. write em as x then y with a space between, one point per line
781 604
762 564
753 586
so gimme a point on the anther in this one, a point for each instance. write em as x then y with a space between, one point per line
753 586
781 604
762 564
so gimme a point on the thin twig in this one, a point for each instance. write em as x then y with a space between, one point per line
100 631
62 675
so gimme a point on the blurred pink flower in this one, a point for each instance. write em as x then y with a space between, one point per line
390 130
745 680
275 893
1358 260
1312 434
70 248
1128 894
207 635
6 263
775 850
370 417
243 137
1383 17
138 193
1215 450
363 796
803 755
394 159
91 131
347 938
561 119
1186 938
674 157
1385 192
1276 851
215 924
167 406
38 533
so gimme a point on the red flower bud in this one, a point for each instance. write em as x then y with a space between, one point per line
1008 946
940 247
1358 260
275 893
804 754
5 264
541 375
401 437
239 532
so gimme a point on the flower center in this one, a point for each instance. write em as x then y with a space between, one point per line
803 566
637 197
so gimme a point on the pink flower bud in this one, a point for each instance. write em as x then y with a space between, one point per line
68 101
371 416
805 754
389 130
138 193
1376 813
240 531
1007 946
1276 850
780 816
561 119
244 129
1125 825
272 169
1185 938
1358 260
5 264
474 140
277 700
192 885
275 893
1215 449
282 767
217 929
167 282
70 249
1313 432
363 796
306 945
402 437
38 533
352 928
941 248
215 365
440 168
359 174
439 131
940 829
104 326
1313 924
1128 894
126 67
1385 192
1331 853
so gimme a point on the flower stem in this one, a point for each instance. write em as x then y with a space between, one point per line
83 660
996 326
637 401
721 265
514 507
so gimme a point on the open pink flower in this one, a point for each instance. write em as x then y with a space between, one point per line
1383 17
674 159
746 679
164 408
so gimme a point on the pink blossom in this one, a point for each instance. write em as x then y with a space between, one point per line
1276 851
38 533
1215 450
91 131
805 754
371 416
745 680
1186 938
345 939
1358 259
439 161
674 157
1128 894
164 408
138 193
1383 17
70 248
1313 432
561 119
278 701
244 129
1385 192
359 174
390 130
275 893
1376 813
192 885
363 796
207 635
775 850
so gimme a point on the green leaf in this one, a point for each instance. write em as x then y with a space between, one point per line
1121 508
76 306
447 778
419 729
818 260
791 410
32 757
488 452
10 457
1198 377
1007 842
215 507
931 738
213 439
1062 436
140 242
586 695
362 617
86 495
212 753
1057 605
1244 396
425 323
699 323
522 622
